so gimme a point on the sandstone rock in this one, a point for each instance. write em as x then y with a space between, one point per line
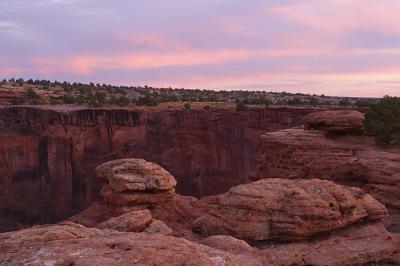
126 175
335 121
135 221
77 245
360 244
158 227
133 198
52 152
354 161
135 181
288 210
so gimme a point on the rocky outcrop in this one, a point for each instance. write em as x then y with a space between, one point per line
49 153
335 121
135 181
72 244
353 161
281 209
136 221
360 244
305 222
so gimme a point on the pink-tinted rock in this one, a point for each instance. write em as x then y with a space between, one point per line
77 245
285 209
335 121
158 227
135 175
360 244
353 161
49 153
135 221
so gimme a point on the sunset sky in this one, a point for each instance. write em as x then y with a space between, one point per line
333 47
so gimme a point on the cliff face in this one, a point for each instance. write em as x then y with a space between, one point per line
48 154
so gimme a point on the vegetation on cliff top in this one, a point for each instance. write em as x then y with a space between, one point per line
383 120
47 92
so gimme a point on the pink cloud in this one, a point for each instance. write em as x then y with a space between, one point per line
337 16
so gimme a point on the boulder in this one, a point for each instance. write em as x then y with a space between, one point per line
77 245
135 175
284 209
135 181
135 221
335 121
158 227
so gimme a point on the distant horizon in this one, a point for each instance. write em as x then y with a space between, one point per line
333 47
267 90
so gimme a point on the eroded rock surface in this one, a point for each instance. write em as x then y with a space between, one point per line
135 221
335 121
71 244
281 209
135 181
49 153
304 154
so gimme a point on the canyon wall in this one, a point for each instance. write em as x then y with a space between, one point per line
48 154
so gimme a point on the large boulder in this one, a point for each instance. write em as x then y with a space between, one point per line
284 209
335 121
135 221
135 181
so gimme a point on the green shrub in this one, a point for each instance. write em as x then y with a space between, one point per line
187 106
383 120
345 102
68 99
240 106
147 100
30 93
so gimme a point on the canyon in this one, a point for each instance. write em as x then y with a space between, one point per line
49 153
155 186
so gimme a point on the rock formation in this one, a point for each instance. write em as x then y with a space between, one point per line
349 160
135 181
305 222
49 153
71 244
280 209
335 121
136 221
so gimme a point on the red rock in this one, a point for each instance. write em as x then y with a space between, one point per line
296 153
360 244
284 209
52 151
133 175
77 245
158 227
335 121
136 221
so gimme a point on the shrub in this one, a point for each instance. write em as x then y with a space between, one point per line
206 107
30 93
344 102
295 101
147 100
68 99
314 101
383 120
187 106
241 106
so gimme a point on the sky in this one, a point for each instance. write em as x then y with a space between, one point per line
332 47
